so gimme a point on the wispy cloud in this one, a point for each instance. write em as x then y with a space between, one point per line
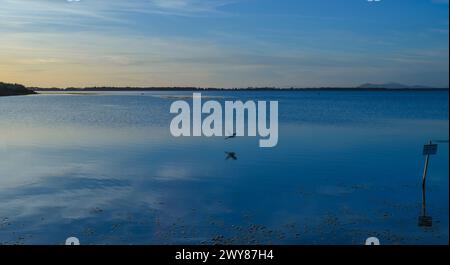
67 11
191 6
203 43
87 58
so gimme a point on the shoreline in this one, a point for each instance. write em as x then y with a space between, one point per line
8 89
80 91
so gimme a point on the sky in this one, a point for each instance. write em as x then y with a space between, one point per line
224 43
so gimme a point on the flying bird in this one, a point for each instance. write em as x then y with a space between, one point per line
232 136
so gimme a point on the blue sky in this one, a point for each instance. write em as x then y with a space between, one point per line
224 43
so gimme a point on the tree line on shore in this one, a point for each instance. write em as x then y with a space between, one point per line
7 89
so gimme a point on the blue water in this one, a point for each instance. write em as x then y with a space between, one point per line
104 167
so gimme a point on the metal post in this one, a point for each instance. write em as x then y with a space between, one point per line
424 220
424 211
428 149
424 177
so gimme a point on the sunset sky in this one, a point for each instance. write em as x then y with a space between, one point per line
224 43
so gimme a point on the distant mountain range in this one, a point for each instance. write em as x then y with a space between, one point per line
391 86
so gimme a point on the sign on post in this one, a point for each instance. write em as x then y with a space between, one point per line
430 149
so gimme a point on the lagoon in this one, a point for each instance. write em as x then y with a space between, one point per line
229 122
105 168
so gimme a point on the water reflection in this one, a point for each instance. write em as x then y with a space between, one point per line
105 168
231 155
424 219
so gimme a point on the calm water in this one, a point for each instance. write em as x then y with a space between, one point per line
104 168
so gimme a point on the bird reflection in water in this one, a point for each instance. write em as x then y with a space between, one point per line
231 155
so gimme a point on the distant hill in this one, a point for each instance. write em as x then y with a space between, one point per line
391 86
14 90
